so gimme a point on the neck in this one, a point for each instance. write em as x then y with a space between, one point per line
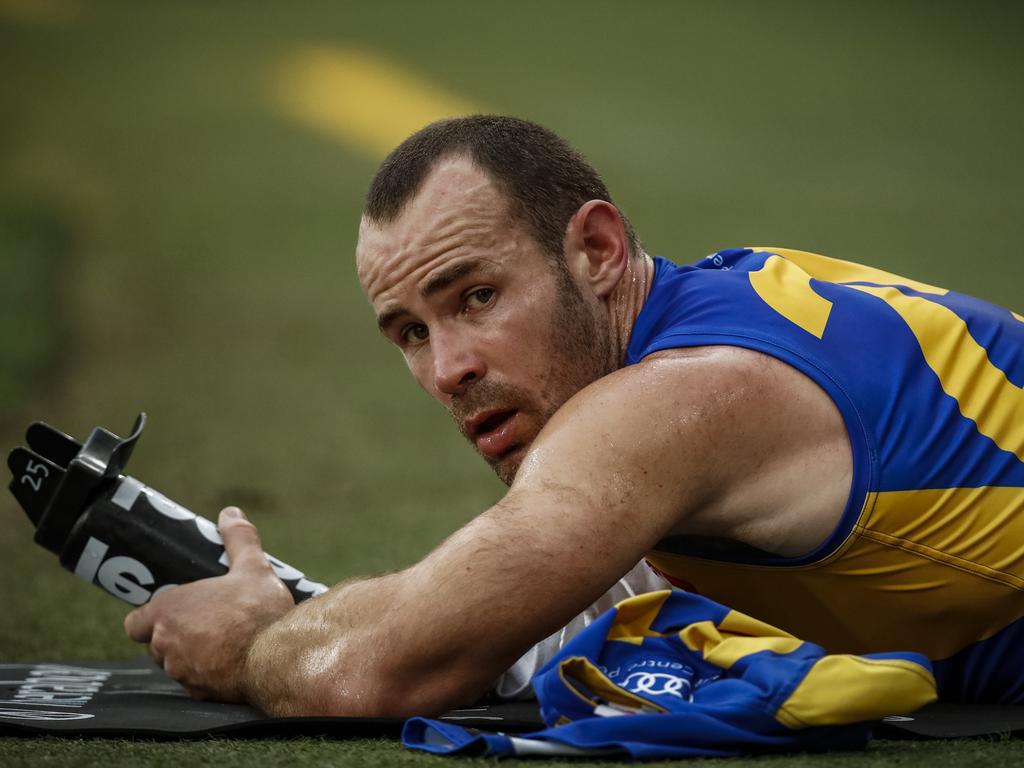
626 302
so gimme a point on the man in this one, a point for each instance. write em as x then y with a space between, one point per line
828 447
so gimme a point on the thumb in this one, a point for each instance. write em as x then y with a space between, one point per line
241 540
138 624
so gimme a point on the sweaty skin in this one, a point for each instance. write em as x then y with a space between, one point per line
602 461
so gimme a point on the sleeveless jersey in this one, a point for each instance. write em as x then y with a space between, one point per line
929 553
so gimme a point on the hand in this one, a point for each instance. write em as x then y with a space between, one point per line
200 633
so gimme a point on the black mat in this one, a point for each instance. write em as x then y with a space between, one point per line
135 699
954 721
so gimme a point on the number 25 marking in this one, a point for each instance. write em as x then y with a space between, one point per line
32 468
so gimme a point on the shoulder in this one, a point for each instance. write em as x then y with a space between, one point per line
716 440
686 392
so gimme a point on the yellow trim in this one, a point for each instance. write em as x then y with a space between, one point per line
839 271
848 689
359 97
786 288
635 615
581 669
982 391
572 688
1018 317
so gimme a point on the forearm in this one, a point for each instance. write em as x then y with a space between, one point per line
439 633
304 662
362 649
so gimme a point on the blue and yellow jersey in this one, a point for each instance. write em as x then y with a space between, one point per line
929 555
670 674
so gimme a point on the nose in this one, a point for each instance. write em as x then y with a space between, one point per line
457 364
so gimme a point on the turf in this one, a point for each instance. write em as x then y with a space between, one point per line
170 241
318 752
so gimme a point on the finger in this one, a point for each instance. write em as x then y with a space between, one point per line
241 540
172 669
138 624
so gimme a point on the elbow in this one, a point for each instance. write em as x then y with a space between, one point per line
396 693
432 695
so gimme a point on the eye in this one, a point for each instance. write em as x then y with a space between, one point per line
479 297
416 333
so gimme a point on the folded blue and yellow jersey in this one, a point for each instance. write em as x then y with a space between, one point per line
929 555
672 674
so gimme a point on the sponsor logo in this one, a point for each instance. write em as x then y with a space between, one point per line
53 685
659 684
129 579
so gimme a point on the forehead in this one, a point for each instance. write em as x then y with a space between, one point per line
457 209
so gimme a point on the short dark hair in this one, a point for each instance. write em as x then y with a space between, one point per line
544 178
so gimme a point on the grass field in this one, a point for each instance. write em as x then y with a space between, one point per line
179 199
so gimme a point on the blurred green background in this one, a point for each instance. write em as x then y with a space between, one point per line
181 182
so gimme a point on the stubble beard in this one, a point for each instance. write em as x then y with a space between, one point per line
579 353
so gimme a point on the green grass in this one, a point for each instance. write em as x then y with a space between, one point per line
34 245
320 752
168 242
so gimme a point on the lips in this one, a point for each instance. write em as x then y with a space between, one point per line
493 432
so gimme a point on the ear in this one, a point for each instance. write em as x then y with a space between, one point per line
596 246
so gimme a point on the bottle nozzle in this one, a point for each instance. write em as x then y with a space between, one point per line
56 475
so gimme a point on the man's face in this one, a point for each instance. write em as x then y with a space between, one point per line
488 325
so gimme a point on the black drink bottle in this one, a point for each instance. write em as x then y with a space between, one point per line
111 530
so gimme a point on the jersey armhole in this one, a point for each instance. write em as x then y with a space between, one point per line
864 456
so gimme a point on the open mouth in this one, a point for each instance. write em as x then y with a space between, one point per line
493 422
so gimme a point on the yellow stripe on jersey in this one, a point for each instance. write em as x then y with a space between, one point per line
723 648
633 622
736 623
847 689
1017 317
838 271
981 390
786 288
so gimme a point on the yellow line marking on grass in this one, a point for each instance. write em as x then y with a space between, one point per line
359 97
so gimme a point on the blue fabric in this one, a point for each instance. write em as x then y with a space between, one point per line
446 739
651 696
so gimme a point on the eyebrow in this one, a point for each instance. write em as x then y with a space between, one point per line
435 284
445 277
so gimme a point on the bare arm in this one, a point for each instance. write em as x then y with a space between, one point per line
620 465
